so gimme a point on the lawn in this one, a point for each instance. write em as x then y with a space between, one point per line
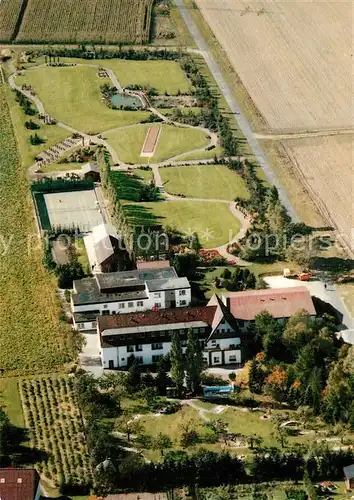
52 134
72 95
32 337
172 141
10 400
203 155
213 221
161 75
204 181
61 167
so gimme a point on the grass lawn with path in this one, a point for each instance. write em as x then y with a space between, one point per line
203 155
52 134
189 217
204 181
172 141
162 75
72 95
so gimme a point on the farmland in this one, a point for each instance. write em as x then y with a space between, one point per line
304 78
54 421
9 13
204 181
32 338
99 21
325 165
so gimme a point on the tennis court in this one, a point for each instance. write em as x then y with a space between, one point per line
74 208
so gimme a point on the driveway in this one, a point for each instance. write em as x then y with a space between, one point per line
90 359
317 288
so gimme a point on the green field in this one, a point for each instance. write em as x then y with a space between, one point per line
32 338
61 167
204 181
10 400
189 217
164 76
172 141
203 155
72 95
52 134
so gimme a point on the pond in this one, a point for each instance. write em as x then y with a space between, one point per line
123 101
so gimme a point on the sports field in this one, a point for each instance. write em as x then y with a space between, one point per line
213 221
76 208
204 181
300 52
72 95
172 141
326 167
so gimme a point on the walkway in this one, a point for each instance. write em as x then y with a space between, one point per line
240 119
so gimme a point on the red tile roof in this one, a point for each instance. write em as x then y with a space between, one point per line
160 317
18 484
279 302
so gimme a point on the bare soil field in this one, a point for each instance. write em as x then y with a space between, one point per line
326 168
295 58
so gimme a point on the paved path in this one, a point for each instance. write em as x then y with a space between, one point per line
240 119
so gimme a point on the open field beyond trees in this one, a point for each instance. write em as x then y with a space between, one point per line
99 21
172 141
204 181
72 95
188 217
32 338
53 418
326 167
302 53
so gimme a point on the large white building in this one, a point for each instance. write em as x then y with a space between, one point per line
127 292
221 326
147 336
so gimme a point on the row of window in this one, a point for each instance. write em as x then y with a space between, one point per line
121 305
138 347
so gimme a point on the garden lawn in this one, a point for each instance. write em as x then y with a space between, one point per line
203 155
72 95
61 167
52 134
32 338
172 141
10 400
211 220
161 75
204 181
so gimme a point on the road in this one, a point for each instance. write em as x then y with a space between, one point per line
240 119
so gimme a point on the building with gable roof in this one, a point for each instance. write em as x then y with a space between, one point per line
19 484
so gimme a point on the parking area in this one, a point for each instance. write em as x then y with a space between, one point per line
76 208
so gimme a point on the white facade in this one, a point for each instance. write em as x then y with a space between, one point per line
162 299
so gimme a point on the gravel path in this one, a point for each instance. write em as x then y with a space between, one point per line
240 119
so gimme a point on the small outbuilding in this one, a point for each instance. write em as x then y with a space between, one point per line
91 171
349 476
